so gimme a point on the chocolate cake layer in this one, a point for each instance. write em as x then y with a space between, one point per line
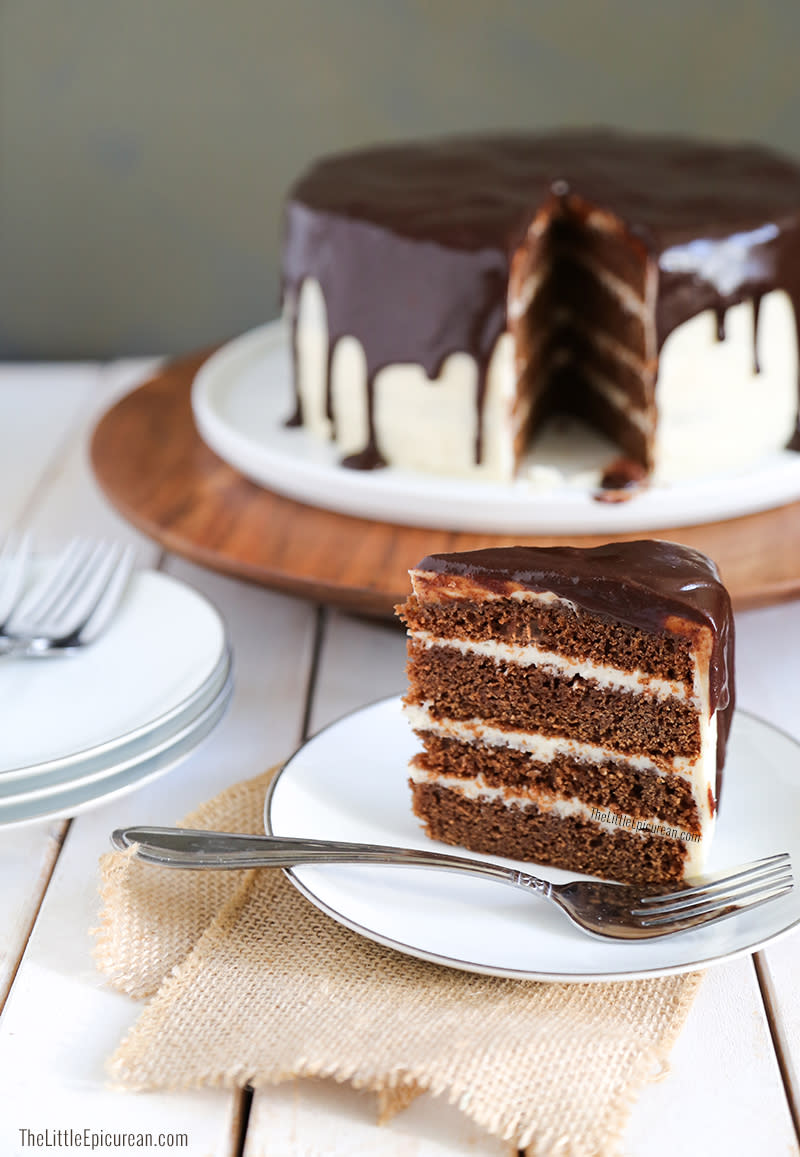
554 627
483 825
472 686
628 790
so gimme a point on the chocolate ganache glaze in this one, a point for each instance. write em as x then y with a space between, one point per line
414 245
640 583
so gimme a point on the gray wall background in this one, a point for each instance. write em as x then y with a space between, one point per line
145 147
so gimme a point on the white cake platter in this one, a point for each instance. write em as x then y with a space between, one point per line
349 782
242 396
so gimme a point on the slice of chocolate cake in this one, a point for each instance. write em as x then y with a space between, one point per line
573 705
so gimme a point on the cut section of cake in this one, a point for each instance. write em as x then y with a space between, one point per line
573 704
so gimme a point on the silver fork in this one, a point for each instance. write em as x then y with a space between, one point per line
610 911
71 604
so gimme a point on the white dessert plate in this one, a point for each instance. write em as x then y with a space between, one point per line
242 396
157 667
73 798
77 776
348 782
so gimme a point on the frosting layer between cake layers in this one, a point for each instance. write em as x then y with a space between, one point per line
556 731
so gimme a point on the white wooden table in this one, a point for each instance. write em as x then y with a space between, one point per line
734 1084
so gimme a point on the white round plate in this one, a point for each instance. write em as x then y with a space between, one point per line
80 776
155 666
349 782
242 396
72 799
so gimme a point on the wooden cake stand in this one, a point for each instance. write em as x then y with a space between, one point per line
153 467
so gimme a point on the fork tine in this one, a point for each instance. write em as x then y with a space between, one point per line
14 559
731 885
742 890
64 609
79 600
719 907
44 593
721 880
109 598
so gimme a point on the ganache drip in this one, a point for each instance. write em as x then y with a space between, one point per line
756 313
296 418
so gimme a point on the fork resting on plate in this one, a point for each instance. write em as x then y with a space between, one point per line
69 605
610 911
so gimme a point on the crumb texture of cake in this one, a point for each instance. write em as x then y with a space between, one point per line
446 297
573 705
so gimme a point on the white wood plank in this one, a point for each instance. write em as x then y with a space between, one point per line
40 406
360 661
778 968
768 664
273 639
60 1022
27 856
74 503
306 1117
723 1093
768 677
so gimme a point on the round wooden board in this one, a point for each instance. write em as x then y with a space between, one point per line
154 468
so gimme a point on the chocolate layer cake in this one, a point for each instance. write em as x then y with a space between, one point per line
573 705
447 297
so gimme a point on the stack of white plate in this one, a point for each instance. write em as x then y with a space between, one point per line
76 730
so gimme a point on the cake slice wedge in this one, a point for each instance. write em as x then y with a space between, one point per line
573 705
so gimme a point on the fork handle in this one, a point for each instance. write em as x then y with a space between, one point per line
190 848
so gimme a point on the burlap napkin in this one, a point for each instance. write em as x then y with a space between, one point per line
253 985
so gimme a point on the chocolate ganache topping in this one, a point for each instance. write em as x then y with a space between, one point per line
413 244
640 583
